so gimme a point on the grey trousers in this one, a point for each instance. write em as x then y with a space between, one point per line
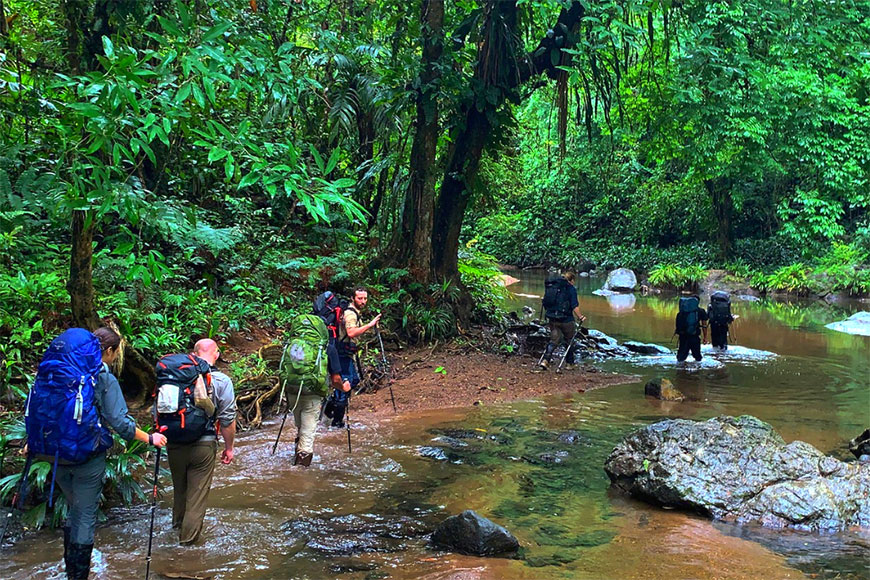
192 468
82 486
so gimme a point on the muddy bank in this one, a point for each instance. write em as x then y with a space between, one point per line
460 376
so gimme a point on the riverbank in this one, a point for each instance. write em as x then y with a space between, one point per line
461 376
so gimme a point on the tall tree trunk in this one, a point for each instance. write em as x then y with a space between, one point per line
418 212
80 285
723 206
501 68
462 167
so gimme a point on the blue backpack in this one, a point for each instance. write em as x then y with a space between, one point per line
62 420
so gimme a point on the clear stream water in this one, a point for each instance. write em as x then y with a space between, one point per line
534 466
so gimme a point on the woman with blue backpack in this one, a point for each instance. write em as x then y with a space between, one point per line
74 400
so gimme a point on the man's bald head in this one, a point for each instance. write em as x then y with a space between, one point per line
207 349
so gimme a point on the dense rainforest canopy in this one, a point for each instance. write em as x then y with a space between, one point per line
186 168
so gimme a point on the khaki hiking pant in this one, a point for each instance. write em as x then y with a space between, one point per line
305 415
192 468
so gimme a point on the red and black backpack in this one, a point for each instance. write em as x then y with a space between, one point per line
177 375
330 308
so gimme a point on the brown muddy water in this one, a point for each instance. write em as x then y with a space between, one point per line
534 466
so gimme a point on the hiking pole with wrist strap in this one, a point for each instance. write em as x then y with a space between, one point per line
386 367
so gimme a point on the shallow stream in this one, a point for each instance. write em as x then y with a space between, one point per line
534 466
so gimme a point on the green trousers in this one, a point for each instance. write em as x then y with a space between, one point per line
192 467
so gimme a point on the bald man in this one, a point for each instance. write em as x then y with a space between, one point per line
192 464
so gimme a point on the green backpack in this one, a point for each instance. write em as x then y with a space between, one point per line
303 362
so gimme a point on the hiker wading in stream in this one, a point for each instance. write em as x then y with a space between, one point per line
192 462
351 329
561 307
307 411
78 361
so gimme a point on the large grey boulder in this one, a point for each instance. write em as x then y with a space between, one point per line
740 469
858 323
469 533
621 280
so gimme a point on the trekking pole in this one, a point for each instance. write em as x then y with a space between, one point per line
386 367
567 349
347 423
287 410
153 510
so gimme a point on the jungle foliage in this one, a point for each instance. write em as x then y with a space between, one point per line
188 169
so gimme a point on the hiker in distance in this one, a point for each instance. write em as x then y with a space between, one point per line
690 322
562 308
76 395
351 329
719 313
202 404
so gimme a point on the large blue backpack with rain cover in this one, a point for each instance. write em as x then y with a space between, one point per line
62 419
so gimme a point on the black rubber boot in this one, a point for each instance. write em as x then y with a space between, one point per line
66 534
78 565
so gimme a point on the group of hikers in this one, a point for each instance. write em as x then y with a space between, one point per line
562 308
75 402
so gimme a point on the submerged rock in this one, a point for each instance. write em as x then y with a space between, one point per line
663 389
646 347
860 446
740 469
621 280
470 533
858 323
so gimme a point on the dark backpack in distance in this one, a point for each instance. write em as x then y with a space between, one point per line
330 308
720 308
688 319
177 375
61 418
557 300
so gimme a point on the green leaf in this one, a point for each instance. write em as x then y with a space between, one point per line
198 96
333 161
183 93
216 154
216 31
108 47
169 26
318 159
248 180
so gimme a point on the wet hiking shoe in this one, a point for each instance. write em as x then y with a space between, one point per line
302 458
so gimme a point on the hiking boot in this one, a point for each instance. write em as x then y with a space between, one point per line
302 458
338 424
570 367
543 365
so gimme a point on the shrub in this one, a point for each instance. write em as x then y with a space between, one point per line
676 276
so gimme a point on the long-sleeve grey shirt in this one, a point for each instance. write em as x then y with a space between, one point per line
113 408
